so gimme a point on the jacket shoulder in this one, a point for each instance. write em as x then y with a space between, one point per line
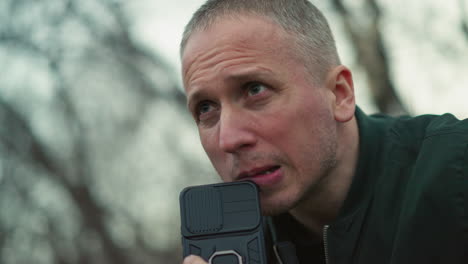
429 125
426 176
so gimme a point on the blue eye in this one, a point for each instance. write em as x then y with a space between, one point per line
255 88
204 107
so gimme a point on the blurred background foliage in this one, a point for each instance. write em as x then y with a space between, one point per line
95 141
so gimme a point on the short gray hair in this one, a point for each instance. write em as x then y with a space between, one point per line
299 18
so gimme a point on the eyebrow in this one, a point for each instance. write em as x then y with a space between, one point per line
248 73
243 75
193 97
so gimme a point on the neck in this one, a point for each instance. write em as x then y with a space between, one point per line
322 203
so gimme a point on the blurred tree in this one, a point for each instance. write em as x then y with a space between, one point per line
368 43
387 37
95 143
78 98
463 6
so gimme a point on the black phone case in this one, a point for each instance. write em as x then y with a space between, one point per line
222 223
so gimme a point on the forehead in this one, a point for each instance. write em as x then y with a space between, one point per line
243 34
242 27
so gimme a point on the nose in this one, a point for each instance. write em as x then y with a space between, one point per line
235 131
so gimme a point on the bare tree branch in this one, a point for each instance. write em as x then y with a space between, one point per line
464 18
21 141
370 49
109 51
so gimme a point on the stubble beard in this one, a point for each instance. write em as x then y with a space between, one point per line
312 187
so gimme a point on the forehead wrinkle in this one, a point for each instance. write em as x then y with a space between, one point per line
216 62
207 62
245 43
246 73
201 82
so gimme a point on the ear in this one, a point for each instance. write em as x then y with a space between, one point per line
340 83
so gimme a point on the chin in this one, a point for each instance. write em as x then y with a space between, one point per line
272 206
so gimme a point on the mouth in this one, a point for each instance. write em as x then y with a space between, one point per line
266 175
258 172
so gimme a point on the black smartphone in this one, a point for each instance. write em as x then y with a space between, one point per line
222 223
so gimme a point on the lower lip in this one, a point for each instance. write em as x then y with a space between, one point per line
264 180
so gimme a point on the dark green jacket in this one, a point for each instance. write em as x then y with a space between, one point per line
408 202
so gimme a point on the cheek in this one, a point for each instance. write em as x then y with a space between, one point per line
298 131
286 123
209 145
218 158
205 141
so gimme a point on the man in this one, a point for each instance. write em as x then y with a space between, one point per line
274 105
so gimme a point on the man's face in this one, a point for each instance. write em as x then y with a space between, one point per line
259 115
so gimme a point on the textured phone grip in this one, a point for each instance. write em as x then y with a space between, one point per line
222 223
198 203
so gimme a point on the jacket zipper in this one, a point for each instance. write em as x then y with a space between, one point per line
325 242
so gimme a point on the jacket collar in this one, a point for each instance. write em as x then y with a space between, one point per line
371 135
344 232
